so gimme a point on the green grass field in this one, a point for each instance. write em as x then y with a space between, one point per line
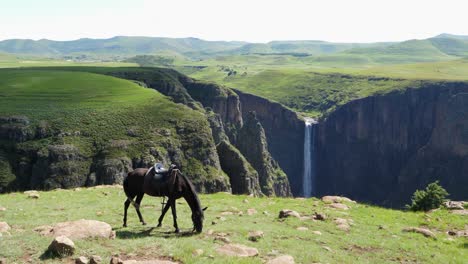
375 236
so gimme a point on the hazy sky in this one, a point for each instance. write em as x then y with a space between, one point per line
248 20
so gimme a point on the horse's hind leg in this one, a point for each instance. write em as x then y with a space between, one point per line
166 207
137 207
126 204
174 215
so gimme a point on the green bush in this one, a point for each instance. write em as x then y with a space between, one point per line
430 198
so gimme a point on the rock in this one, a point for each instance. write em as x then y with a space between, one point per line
342 224
339 206
285 259
459 233
265 213
226 213
210 232
152 261
319 216
424 231
251 211
62 246
82 260
115 260
221 218
2 209
197 252
95 259
3 261
255 235
460 212
237 250
344 227
287 213
336 199
245 201
79 229
454 205
4 227
327 248
222 239
302 228
317 233
32 194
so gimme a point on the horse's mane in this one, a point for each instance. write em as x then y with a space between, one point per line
192 190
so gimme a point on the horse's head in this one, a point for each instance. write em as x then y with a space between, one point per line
197 218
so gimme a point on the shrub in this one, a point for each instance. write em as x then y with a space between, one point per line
430 198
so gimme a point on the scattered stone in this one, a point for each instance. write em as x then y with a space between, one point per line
317 233
95 259
221 218
82 260
319 216
251 211
344 227
223 239
152 261
227 213
327 248
197 252
454 205
2 209
339 206
210 232
255 235
115 260
62 246
459 233
240 213
99 213
79 229
245 201
424 231
3 261
32 194
381 227
287 213
266 213
77 189
460 212
213 222
237 250
285 259
342 224
336 199
302 228
4 227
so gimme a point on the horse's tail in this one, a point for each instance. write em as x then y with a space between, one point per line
126 188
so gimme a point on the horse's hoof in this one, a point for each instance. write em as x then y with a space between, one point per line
159 225
177 231
124 225
143 223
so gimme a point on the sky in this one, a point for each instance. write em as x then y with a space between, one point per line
244 20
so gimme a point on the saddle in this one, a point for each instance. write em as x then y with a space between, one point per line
160 174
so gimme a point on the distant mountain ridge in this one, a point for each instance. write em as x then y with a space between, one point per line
440 47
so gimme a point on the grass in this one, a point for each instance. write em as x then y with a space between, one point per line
95 113
364 243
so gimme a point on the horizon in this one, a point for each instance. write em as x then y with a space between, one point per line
337 21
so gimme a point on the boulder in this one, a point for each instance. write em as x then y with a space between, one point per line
237 250
460 212
95 259
339 206
454 205
285 259
424 231
79 229
287 213
4 227
82 260
62 246
336 199
32 194
458 233
255 235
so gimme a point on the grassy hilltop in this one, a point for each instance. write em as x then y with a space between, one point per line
375 234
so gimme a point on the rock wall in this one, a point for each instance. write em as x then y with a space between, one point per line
381 149
284 131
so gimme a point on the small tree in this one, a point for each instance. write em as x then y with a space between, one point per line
431 198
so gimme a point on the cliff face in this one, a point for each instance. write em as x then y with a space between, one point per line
284 132
382 148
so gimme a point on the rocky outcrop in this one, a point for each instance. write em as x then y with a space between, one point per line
243 177
382 148
284 132
253 144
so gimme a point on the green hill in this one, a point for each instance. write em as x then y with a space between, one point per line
375 235
70 123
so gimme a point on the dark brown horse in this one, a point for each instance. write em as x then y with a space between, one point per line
172 184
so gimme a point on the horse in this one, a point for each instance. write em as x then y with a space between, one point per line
171 183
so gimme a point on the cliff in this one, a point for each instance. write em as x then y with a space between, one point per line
284 132
382 148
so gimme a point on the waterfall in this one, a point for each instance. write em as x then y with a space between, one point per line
308 178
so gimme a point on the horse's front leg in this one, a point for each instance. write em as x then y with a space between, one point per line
174 215
166 207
